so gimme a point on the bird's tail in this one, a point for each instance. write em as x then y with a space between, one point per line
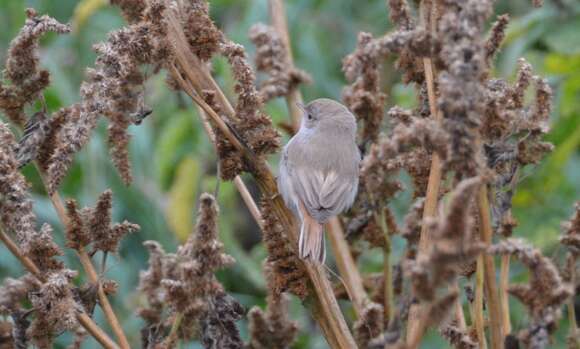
311 243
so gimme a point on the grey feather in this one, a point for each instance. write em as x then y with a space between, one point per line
320 164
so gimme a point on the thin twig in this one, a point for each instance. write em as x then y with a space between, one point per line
82 317
325 308
172 337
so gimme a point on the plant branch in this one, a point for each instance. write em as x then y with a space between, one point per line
325 308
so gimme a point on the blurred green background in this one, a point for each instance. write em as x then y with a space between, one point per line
173 162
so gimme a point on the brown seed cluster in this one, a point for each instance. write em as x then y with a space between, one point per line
272 59
288 273
92 225
22 66
185 283
271 328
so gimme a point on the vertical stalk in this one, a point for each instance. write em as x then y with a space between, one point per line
435 171
573 335
388 303
491 291
504 275
478 318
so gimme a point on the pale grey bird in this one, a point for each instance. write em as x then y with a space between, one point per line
319 171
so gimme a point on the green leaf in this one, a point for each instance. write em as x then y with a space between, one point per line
181 206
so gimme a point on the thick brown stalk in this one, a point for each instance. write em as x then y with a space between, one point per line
344 261
82 317
504 280
324 308
491 291
478 318
435 172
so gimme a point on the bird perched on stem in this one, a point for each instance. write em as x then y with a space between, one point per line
319 171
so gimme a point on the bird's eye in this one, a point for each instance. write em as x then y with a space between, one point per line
309 116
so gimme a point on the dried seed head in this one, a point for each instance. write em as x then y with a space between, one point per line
55 308
22 66
288 272
272 328
202 34
571 231
253 126
369 325
16 212
546 292
496 36
272 58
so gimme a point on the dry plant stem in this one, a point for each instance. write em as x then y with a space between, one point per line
238 182
352 279
96 331
388 304
504 275
574 335
324 308
278 14
345 263
435 172
172 337
478 318
414 339
459 316
26 262
82 318
89 270
491 291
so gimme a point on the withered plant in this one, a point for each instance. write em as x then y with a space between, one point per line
465 146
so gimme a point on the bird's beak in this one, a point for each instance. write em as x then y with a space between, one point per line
301 106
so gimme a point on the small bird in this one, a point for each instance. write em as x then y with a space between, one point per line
319 171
